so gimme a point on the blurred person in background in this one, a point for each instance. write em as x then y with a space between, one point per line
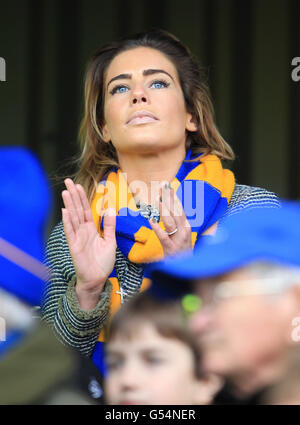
35 368
248 279
150 183
152 357
286 391
245 327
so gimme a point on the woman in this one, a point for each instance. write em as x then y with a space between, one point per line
148 121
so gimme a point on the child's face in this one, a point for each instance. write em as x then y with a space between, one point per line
148 368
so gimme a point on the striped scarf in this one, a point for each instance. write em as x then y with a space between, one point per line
204 189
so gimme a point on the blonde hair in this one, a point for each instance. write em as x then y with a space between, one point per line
97 156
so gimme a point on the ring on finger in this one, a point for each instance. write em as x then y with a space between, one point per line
173 232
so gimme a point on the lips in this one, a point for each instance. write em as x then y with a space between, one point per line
141 117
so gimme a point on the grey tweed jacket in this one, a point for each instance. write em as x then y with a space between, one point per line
60 308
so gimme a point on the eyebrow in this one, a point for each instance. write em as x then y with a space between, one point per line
143 351
145 73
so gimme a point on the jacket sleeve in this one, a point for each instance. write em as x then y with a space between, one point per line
60 308
249 197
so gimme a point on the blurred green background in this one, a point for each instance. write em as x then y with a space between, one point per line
246 47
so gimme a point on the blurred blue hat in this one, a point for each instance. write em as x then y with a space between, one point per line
264 234
25 205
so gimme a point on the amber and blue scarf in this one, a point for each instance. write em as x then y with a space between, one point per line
202 185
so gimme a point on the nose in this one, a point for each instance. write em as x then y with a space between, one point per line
128 376
201 320
139 95
139 100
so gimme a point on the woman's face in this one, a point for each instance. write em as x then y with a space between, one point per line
144 108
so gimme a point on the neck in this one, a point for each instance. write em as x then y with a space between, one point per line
146 173
260 377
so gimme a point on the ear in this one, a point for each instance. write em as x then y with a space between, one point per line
206 388
190 124
106 133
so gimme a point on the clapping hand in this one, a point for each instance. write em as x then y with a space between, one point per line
177 236
93 256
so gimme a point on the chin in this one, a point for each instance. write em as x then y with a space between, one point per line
132 403
143 146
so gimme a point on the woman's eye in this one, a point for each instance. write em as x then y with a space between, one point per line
160 84
119 89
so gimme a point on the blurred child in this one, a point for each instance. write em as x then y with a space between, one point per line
152 357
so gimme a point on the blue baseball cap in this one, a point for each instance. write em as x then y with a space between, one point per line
262 234
25 206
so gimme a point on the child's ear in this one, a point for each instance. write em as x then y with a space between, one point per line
206 388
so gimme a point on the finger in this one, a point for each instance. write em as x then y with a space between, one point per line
177 211
161 234
100 214
70 208
68 227
85 203
165 210
76 199
178 215
109 225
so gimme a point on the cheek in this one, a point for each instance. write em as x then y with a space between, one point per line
176 379
176 108
175 388
110 115
111 390
172 105
264 337
249 333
